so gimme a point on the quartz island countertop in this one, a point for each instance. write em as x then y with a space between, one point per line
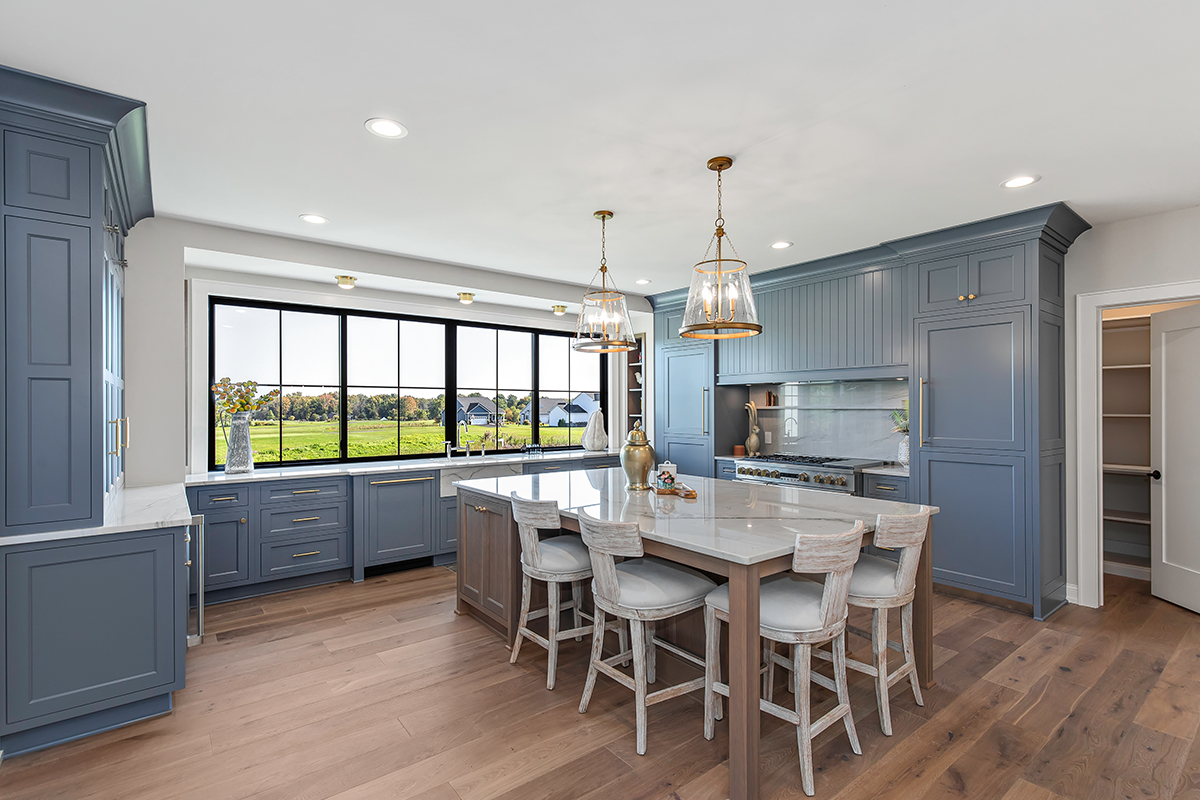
738 521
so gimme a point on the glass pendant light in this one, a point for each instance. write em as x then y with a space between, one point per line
720 304
603 325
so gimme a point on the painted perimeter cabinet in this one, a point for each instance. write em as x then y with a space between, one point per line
973 317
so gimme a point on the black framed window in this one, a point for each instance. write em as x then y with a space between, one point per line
358 385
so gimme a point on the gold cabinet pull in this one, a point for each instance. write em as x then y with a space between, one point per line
243 520
402 480
547 469
125 443
305 491
187 563
222 499
886 488
970 297
962 297
306 519
310 553
921 416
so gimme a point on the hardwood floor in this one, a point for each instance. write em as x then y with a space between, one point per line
378 690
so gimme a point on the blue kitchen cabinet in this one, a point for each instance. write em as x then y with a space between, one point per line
447 525
75 179
684 406
95 634
226 549
400 515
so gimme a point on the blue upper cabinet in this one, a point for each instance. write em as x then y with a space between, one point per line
852 324
75 177
976 279
686 408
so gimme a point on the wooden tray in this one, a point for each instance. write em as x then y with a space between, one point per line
682 490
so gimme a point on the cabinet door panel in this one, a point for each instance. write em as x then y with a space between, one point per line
684 384
448 525
53 456
47 175
940 284
979 537
226 549
997 276
401 514
89 622
973 370
692 456
498 582
472 533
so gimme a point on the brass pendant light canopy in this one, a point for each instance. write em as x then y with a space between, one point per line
603 325
720 304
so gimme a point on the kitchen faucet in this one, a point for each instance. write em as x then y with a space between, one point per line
462 423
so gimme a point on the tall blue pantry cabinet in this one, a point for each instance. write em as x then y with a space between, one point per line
972 316
93 622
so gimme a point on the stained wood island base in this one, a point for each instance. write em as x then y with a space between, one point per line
740 532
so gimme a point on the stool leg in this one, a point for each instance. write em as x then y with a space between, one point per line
879 634
577 597
792 674
800 668
906 633
768 678
843 691
712 663
554 616
637 631
651 654
523 622
623 639
597 654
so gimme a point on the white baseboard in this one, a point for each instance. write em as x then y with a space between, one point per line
1073 593
1127 570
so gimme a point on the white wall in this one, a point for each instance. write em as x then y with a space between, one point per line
1149 251
166 353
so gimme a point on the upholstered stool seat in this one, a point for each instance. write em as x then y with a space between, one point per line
649 583
562 555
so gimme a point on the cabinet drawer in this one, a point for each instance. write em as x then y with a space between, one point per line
601 463
312 554
214 499
557 466
277 523
313 489
727 469
886 487
483 504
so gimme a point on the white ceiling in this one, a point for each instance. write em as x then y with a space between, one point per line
851 122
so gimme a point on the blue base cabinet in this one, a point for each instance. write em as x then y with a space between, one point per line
92 625
400 516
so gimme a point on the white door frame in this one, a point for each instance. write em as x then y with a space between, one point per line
1089 436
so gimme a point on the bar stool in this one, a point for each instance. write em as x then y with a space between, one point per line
804 614
556 560
879 584
641 590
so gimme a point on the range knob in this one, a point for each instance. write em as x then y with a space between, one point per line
819 478
803 476
775 474
741 470
841 481
762 473
756 472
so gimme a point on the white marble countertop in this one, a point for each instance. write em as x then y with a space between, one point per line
133 509
740 522
895 471
371 467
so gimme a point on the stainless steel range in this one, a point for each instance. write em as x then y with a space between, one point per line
811 472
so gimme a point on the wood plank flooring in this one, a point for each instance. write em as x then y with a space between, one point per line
378 690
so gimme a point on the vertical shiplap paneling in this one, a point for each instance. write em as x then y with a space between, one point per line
870 328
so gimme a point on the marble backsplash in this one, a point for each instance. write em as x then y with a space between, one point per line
851 419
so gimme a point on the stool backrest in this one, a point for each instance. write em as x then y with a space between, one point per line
532 516
906 533
834 555
605 540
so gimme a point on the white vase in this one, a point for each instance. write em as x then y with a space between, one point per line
594 437
902 456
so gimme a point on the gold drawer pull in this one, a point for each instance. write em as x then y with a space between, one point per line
885 488
402 480
550 468
302 555
222 499
305 491
306 519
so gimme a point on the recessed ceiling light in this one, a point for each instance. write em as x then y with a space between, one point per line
642 281
315 219
558 310
1021 180
345 281
782 245
466 298
387 128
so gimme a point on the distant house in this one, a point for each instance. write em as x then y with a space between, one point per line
475 409
546 405
570 414
588 401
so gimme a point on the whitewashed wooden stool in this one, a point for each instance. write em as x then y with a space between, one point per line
556 560
641 590
801 613
879 584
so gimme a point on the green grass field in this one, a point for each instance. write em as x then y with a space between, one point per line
305 441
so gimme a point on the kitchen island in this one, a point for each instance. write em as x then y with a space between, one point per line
735 530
